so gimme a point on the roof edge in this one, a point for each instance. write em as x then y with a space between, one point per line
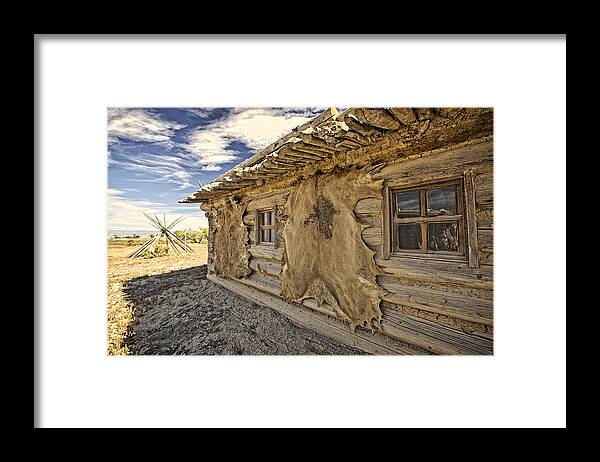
262 153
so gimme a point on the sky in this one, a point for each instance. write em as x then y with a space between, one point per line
157 156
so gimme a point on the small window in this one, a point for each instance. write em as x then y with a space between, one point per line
267 226
428 220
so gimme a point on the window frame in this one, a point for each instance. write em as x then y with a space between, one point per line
462 216
272 227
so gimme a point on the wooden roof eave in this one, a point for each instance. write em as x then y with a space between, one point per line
314 142
308 144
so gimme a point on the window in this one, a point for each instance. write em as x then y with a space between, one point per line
267 226
429 219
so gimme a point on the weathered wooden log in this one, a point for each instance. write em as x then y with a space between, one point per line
267 253
368 206
485 219
372 237
485 190
373 343
486 242
437 271
269 267
439 301
432 336
471 219
431 168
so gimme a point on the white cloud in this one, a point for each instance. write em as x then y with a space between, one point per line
212 167
197 112
162 168
125 214
257 128
139 125
128 214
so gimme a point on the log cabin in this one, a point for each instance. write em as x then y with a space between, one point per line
372 226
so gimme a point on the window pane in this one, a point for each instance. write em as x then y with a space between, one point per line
261 218
443 236
408 236
407 204
441 201
273 217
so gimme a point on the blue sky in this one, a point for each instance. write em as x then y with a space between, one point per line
157 156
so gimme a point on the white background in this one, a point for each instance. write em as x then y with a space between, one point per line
523 384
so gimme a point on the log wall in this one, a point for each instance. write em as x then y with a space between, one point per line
444 306
437 305
266 261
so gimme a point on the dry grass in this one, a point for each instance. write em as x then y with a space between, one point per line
122 269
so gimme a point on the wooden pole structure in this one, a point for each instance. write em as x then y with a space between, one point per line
170 238
144 246
172 245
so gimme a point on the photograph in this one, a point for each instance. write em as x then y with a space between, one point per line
300 230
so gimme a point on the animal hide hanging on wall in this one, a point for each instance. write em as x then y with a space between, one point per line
326 258
230 240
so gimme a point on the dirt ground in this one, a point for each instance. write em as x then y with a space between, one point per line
166 306
122 269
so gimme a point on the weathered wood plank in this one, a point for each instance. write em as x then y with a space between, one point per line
438 301
372 237
486 238
267 253
485 219
368 212
451 287
370 220
264 282
270 267
484 188
317 152
324 308
486 242
485 181
437 271
290 162
311 155
348 144
471 218
278 197
325 325
438 219
486 257
310 140
432 336
259 155
452 162
386 226
368 206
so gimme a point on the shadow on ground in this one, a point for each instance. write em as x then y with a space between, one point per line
183 313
